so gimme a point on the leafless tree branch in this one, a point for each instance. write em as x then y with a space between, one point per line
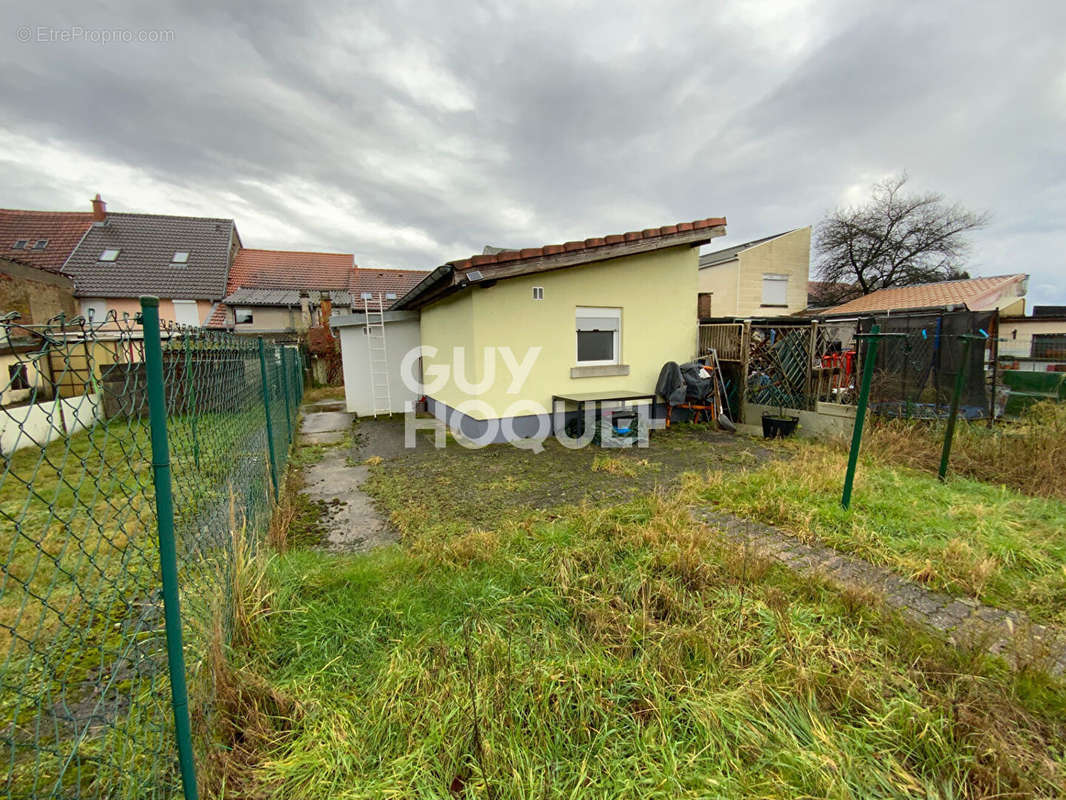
894 239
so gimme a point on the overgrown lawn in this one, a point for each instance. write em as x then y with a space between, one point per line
621 652
963 536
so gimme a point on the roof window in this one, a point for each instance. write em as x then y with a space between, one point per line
40 244
20 244
180 257
111 254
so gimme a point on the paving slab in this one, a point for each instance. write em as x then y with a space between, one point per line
350 520
325 427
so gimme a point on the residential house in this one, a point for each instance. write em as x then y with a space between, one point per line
36 295
278 293
1003 293
599 315
185 261
1035 343
762 278
42 239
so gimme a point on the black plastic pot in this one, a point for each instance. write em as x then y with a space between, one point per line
773 426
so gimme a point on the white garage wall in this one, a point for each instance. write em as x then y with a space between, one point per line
401 336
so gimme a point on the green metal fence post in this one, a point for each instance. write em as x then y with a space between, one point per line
269 421
168 561
860 413
960 381
288 395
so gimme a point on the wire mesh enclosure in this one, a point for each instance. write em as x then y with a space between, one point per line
84 687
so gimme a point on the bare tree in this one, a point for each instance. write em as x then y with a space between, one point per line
895 239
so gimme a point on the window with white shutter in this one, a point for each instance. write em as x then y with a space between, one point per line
775 290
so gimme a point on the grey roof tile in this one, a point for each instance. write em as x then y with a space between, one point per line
729 253
147 242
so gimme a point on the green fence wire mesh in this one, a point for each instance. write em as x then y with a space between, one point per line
84 689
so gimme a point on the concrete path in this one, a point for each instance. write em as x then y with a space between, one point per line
351 522
962 621
325 422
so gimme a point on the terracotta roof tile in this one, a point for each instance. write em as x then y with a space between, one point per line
290 269
504 256
61 230
217 317
975 293
384 281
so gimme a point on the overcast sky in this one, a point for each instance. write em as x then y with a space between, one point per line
414 133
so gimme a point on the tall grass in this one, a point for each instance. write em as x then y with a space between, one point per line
963 537
1028 455
608 653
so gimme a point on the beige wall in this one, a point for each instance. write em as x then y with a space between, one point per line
36 294
132 307
1016 335
721 281
271 318
737 285
1013 309
36 369
656 293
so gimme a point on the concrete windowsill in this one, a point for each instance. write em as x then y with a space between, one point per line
599 371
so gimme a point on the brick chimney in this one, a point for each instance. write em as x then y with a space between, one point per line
99 209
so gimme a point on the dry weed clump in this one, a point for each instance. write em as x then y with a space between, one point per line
239 715
619 465
1028 455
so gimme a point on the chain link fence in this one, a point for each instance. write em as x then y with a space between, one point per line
85 692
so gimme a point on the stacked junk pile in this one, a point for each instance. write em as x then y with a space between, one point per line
696 388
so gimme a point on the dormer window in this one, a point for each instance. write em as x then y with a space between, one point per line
40 244
20 244
180 257
109 255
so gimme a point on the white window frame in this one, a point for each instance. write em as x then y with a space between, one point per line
776 280
184 257
538 292
599 312
110 254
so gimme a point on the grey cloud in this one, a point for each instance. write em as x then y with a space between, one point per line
580 121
